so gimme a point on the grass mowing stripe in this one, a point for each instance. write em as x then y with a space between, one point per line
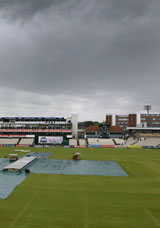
153 218
86 210
23 211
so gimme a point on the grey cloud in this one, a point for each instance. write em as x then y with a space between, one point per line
110 9
17 9
26 10
81 49
125 8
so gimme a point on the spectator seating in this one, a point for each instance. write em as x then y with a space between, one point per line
82 142
93 141
119 141
72 142
9 141
28 141
106 142
148 142
97 141
130 141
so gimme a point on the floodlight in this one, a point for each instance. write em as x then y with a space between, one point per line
147 108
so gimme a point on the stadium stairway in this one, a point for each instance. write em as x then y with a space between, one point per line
19 141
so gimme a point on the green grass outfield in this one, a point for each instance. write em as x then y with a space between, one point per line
72 201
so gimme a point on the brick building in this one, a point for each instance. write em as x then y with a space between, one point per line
141 119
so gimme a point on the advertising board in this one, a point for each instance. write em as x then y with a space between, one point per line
50 139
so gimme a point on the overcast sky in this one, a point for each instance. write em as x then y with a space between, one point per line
89 57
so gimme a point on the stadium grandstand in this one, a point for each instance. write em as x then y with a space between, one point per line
10 141
92 132
147 142
138 129
118 141
28 141
73 142
82 142
100 141
130 141
37 130
141 119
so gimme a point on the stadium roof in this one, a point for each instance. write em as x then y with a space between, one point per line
143 128
115 128
93 128
32 118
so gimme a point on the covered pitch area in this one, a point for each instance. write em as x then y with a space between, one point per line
15 172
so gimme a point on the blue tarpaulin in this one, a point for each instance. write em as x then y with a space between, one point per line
10 180
79 167
40 154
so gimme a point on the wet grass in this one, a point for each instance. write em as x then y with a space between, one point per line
72 201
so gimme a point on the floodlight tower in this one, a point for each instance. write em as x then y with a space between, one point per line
148 108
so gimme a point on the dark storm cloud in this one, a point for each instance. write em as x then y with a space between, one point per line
110 9
25 9
82 49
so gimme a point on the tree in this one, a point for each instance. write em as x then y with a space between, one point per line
85 124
